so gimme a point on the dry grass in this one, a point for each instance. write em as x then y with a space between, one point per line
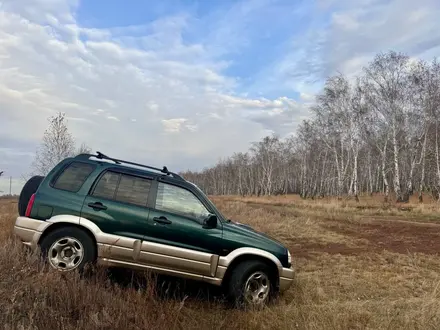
365 265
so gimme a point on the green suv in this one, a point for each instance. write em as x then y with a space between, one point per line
93 209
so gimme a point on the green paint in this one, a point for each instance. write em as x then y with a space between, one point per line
138 221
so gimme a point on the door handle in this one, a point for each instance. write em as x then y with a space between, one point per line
162 220
97 206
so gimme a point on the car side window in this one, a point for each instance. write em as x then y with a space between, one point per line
180 201
106 186
73 176
123 188
133 190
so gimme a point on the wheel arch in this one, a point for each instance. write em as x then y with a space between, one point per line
63 221
59 225
245 254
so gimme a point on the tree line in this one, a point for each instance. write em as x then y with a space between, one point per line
377 132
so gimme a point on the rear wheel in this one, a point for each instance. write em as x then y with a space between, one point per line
68 248
29 188
251 284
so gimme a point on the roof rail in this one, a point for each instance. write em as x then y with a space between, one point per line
100 155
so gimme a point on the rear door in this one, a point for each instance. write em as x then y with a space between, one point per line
117 204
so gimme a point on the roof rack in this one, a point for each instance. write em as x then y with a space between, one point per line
100 155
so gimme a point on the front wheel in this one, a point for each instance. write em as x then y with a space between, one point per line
251 284
67 249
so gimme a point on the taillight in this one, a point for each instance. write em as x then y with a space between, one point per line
29 206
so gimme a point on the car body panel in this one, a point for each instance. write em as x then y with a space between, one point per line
118 251
184 232
236 236
118 219
183 235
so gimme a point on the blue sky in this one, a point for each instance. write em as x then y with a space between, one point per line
179 82
248 35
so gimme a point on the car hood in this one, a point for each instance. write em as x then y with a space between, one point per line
250 233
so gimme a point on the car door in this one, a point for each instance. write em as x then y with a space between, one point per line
117 204
176 235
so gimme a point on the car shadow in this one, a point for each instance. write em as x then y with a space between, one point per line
165 287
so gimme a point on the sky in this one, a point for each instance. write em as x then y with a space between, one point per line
183 83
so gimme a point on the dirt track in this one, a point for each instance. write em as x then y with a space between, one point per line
371 234
394 236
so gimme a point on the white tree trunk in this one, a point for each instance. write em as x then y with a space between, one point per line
437 157
422 175
370 178
355 176
409 184
384 175
396 180
339 169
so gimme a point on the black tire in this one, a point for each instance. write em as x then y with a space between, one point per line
238 278
87 244
29 188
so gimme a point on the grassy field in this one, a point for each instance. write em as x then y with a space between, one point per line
364 265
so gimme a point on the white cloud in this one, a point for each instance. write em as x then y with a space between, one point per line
192 128
342 36
110 80
306 97
151 92
173 125
113 118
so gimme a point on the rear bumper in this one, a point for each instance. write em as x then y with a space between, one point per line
287 276
29 230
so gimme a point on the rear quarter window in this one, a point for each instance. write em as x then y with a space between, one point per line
123 188
73 176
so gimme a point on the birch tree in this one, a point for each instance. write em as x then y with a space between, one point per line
387 86
332 115
377 133
57 144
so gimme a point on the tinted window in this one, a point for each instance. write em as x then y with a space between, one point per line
177 200
106 186
133 190
73 176
123 188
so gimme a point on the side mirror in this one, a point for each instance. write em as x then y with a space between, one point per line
210 222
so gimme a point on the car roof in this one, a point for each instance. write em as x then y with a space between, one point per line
131 166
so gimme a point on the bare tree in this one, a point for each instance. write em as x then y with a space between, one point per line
388 92
334 117
84 149
57 144
378 133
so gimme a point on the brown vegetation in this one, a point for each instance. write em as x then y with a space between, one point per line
360 265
